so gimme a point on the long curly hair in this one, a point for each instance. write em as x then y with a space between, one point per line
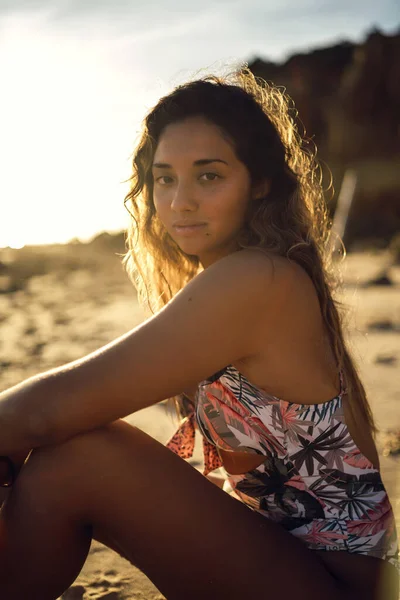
291 220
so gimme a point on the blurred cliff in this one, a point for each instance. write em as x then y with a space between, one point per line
77 265
348 99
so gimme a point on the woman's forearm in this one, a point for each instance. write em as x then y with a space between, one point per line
31 412
21 420
53 406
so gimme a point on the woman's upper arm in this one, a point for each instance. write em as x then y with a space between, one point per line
206 326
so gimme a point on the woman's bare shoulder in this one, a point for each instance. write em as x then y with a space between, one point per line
282 270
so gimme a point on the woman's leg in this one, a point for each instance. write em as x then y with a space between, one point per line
189 537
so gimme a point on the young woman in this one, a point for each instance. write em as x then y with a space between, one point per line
228 246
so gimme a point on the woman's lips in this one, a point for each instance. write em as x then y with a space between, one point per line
188 229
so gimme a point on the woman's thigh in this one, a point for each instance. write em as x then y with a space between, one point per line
188 536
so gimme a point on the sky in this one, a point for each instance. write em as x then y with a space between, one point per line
78 76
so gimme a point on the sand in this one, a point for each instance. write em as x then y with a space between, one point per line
57 317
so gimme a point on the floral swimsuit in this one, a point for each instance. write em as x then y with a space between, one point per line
314 480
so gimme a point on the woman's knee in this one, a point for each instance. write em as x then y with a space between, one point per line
85 457
65 463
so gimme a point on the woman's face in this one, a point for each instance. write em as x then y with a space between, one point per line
199 180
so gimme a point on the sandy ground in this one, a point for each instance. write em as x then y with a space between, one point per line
57 317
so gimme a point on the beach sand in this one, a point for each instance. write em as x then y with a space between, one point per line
58 317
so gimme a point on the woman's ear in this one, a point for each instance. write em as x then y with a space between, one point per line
261 190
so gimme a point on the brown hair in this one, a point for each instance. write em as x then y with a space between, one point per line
291 220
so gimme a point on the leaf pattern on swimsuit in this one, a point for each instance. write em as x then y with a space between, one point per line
314 481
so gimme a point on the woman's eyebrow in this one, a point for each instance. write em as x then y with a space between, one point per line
200 162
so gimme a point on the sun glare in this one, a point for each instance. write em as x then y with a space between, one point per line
67 128
15 245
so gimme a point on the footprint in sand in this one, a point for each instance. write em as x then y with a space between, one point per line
106 587
78 592
106 582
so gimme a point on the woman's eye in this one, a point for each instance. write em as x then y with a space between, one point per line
212 174
162 177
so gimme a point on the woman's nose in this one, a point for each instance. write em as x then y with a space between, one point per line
183 198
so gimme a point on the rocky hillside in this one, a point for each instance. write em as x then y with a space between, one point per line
348 99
